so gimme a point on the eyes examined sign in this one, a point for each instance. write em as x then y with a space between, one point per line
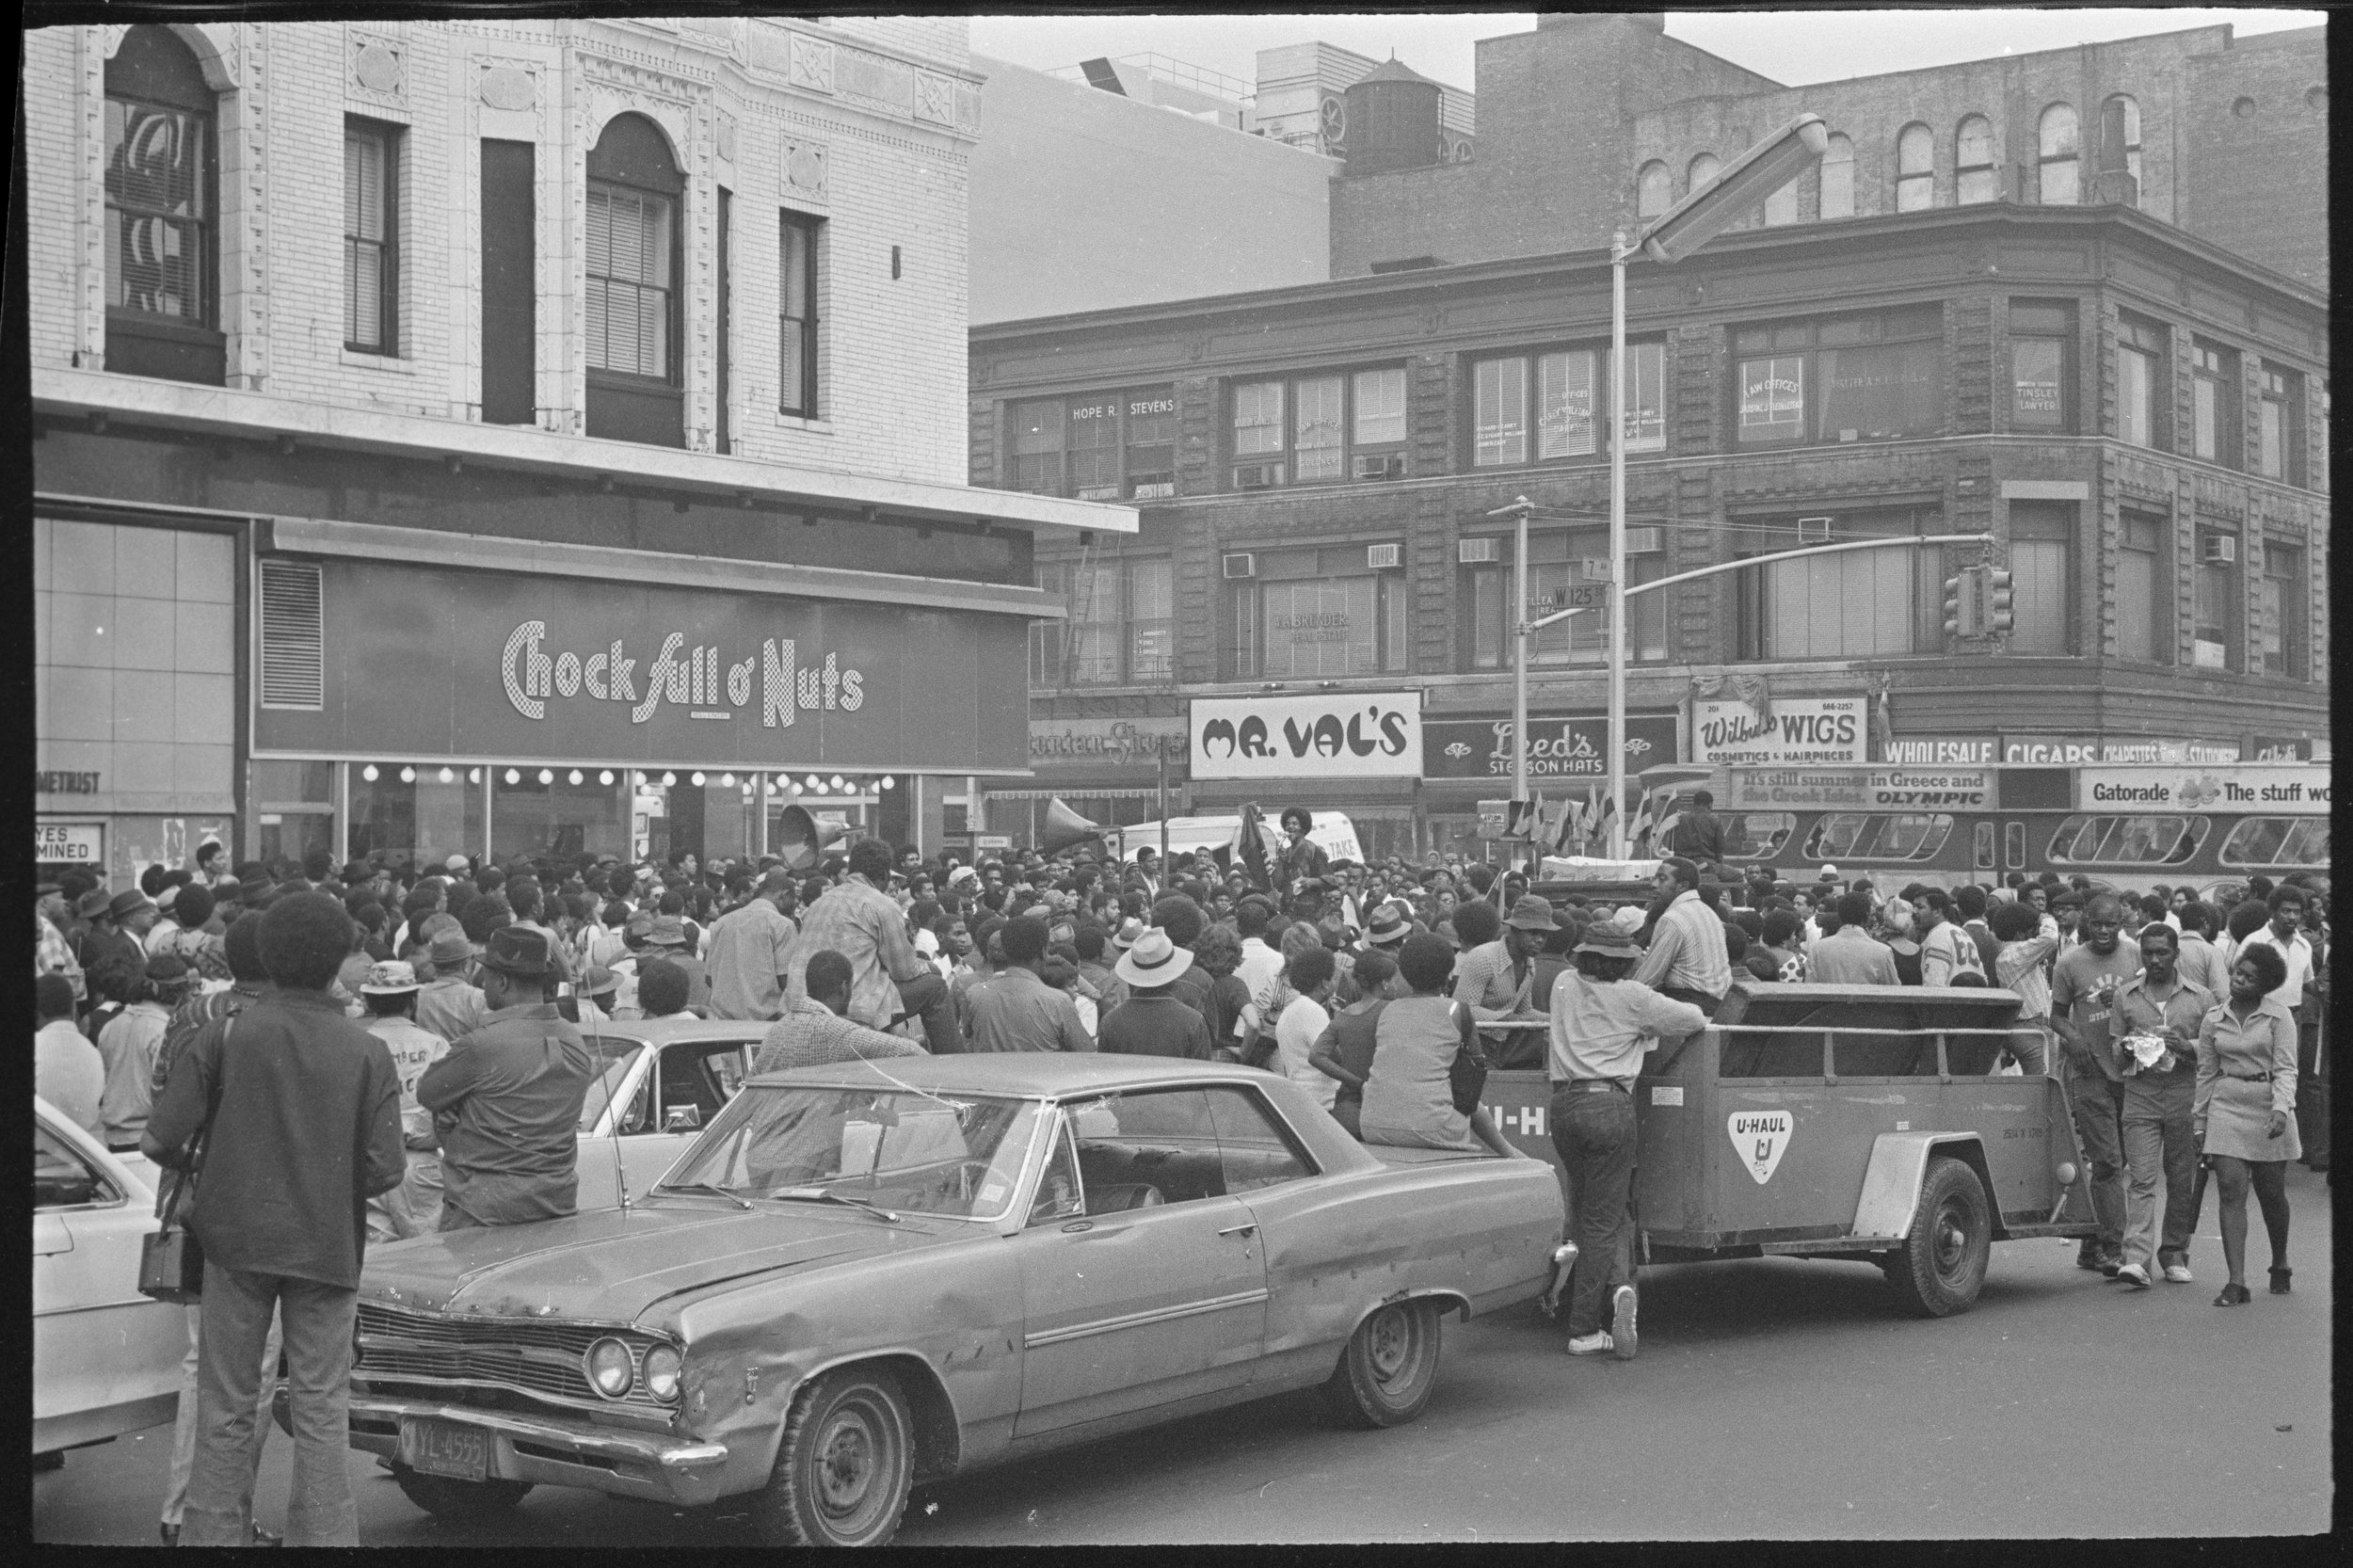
1355 735
431 664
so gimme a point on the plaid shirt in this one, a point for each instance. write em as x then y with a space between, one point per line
810 1035
53 954
1485 983
866 926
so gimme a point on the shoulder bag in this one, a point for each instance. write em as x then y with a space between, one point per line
171 1259
1466 1074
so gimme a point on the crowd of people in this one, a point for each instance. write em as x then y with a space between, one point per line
440 1006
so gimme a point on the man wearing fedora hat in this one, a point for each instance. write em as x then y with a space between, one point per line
506 1098
1602 1022
667 938
390 993
1154 1020
117 926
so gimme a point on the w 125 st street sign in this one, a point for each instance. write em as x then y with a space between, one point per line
1346 735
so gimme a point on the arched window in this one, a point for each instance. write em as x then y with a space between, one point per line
630 317
163 234
2119 151
1781 206
1972 161
1838 177
1653 190
1916 169
2056 182
1703 168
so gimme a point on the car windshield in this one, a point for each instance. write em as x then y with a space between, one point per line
920 1153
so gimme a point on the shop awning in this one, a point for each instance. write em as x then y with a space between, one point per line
238 414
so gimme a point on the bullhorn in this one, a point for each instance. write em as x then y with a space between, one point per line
1064 827
800 840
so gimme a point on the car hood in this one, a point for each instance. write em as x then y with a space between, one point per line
612 1265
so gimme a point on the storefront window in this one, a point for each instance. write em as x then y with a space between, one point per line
423 811
294 806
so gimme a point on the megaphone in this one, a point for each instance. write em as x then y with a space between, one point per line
1064 827
800 840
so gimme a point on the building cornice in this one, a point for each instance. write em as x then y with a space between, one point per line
235 414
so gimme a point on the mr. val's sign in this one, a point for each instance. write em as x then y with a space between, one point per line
1559 746
435 662
1877 789
1797 729
1351 735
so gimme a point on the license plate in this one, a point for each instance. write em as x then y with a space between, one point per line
438 1449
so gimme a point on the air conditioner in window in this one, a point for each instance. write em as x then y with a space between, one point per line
2218 550
1813 530
2208 656
1257 476
1645 541
1240 565
1380 555
1472 553
1383 465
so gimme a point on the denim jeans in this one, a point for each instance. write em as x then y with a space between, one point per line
184 1422
927 996
1593 1132
2161 1156
2097 1104
318 1320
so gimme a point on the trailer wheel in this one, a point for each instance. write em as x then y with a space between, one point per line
1941 1267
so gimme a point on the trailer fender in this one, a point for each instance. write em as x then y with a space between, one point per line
1891 1182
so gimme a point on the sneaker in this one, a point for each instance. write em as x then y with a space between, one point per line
1622 1322
2176 1269
2134 1275
1595 1343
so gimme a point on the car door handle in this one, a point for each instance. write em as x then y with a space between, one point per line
1077 1224
1239 1230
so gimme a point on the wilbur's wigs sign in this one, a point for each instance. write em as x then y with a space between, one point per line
1351 735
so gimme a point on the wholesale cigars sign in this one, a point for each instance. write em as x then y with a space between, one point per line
1560 746
427 661
1351 735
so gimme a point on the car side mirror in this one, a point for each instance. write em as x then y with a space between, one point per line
683 1119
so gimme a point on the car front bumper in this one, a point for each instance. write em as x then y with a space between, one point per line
551 1450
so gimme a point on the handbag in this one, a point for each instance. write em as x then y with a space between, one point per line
1466 1074
171 1259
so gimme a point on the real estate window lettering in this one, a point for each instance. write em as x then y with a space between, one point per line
1871 377
1311 613
1104 446
1571 394
2041 342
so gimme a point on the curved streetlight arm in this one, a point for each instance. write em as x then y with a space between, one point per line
1808 551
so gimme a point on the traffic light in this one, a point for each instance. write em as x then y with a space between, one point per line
1961 604
1998 617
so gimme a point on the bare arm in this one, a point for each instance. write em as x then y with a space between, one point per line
1324 1057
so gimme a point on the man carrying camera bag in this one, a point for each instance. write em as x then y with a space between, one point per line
304 1109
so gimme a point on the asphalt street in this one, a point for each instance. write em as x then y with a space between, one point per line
1773 1399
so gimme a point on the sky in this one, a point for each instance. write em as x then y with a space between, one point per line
1791 47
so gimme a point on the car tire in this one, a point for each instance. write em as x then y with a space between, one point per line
1941 1267
845 1464
459 1501
1386 1374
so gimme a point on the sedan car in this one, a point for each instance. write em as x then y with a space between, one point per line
105 1359
863 1276
662 1080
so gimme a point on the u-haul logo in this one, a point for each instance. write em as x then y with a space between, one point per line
1759 1137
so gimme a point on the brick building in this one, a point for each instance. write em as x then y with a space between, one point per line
1592 122
2135 415
509 435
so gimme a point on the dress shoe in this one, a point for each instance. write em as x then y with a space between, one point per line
2134 1275
2234 1295
2109 1264
2279 1278
2177 1274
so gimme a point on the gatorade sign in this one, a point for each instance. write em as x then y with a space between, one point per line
1759 1137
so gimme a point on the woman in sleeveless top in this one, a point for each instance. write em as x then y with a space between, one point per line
1408 1100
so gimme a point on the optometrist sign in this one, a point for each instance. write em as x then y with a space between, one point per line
431 663
1345 735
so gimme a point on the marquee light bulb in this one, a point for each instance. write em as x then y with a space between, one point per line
573 776
446 775
605 777
368 772
514 778
696 780
547 777
887 781
473 776
811 781
834 782
668 779
407 776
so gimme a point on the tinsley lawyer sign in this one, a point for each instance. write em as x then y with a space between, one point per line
456 664
1346 735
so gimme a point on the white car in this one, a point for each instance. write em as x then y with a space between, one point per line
105 1359
663 1081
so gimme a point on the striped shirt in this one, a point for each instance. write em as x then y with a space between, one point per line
1686 948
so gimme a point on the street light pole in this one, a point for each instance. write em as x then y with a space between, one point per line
1519 508
1617 544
